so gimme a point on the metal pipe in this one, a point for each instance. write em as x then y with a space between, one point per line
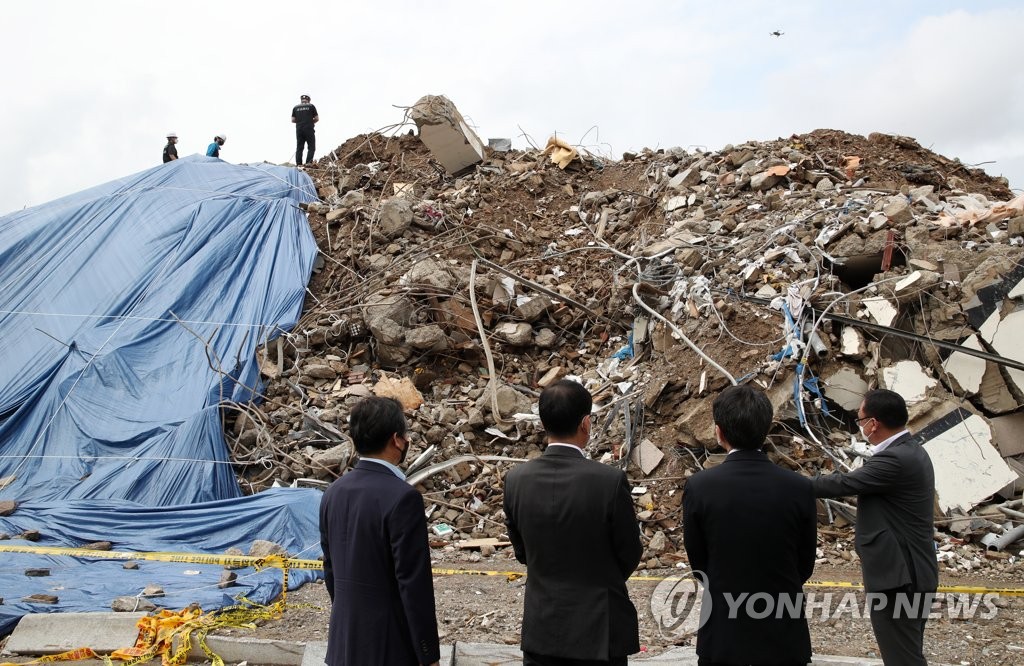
1001 541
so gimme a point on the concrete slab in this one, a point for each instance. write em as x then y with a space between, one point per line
444 131
52 633
968 468
486 654
315 654
254 650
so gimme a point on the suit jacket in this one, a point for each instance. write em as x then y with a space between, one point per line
895 491
751 527
571 522
377 570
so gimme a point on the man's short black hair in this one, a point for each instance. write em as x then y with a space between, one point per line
373 421
744 414
888 407
563 406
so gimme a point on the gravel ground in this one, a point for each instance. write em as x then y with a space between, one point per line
488 608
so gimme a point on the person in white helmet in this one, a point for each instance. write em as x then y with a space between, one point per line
170 152
213 150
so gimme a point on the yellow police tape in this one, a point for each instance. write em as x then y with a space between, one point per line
293 563
158 632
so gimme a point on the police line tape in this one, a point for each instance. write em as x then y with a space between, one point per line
294 563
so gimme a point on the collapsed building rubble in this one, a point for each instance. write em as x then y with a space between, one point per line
816 266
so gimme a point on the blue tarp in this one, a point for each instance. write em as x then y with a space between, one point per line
128 312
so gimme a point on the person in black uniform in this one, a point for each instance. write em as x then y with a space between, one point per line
305 117
170 151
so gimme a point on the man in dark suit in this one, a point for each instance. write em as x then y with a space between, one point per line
376 557
751 529
895 491
571 522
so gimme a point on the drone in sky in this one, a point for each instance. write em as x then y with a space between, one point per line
777 33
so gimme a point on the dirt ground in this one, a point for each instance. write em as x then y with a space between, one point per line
488 608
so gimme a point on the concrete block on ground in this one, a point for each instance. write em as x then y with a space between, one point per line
442 129
486 654
681 656
254 650
315 654
52 633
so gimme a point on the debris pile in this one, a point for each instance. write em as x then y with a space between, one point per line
815 266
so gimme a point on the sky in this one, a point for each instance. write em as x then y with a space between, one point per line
90 89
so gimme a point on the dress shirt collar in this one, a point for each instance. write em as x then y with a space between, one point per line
884 444
394 468
570 446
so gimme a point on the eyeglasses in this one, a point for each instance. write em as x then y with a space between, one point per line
863 418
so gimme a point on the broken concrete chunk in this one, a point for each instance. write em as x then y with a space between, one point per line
846 388
227 579
443 130
908 379
881 310
430 337
319 371
403 390
127 604
387 317
395 217
130 566
332 457
37 572
264 548
30 535
41 599
7 507
852 343
153 590
551 376
514 333
546 338
430 273
911 287
533 309
511 401
897 209
967 370
646 456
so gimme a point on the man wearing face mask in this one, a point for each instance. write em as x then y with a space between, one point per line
895 491
376 557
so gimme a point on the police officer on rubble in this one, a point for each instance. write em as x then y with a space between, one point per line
304 116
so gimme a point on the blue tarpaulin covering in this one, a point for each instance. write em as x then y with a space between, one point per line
128 313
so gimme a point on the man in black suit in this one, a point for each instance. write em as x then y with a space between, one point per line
376 557
895 491
751 529
571 522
